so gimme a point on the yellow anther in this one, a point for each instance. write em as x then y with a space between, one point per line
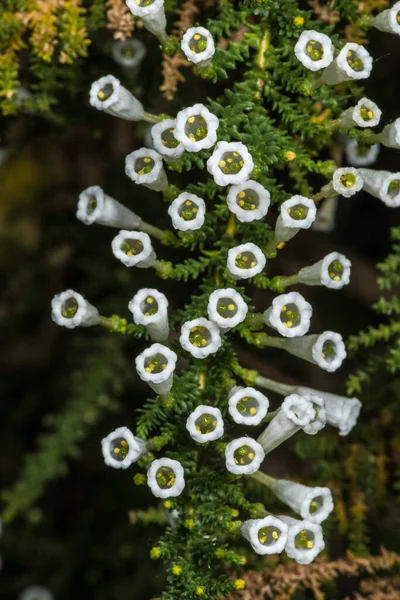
281 245
100 95
235 154
147 159
253 410
191 119
188 203
149 299
231 306
283 308
253 264
275 534
196 36
191 137
124 443
222 163
310 544
241 163
251 455
337 278
241 203
242 194
288 324
117 451
229 160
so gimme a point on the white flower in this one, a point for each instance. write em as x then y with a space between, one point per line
361 156
200 337
333 272
305 540
296 412
266 536
166 478
128 53
312 503
352 62
36 592
341 412
109 95
347 181
121 448
230 163
196 128
198 46
383 185
243 456
319 421
187 212
289 314
70 310
314 50
389 20
364 114
164 140
152 13
133 249
249 201
296 213
156 366
94 206
149 307
247 406
327 349
390 135
245 261
145 167
205 424
226 308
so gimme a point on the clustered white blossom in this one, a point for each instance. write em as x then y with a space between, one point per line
107 94
364 114
94 206
149 307
333 272
198 46
296 213
361 156
383 185
134 249
290 314
187 212
249 201
352 63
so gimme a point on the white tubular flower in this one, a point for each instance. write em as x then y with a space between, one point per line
245 261
319 421
364 114
205 424
70 309
247 406
296 412
352 62
333 272
128 53
314 504
196 128
327 349
36 592
152 13
266 536
109 95
198 46
156 366
200 337
164 140
243 456
94 206
390 135
166 478
230 163
305 540
249 201
361 156
314 50
341 412
134 249
226 308
121 448
145 167
289 314
296 213
389 20
187 212
383 185
149 307
346 181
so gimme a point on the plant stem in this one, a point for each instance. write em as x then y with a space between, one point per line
149 118
284 282
153 231
263 478
275 386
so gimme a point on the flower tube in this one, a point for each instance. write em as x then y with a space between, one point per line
383 185
187 212
289 314
243 456
36 592
134 249
230 163
364 114
314 504
109 95
249 201
314 50
200 337
245 261
166 478
94 206
121 448
149 307
327 349
296 213
152 13
333 272
390 135
128 53
198 46
145 167
247 406
352 62
361 156
164 140
70 309
346 181
305 540
341 412
226 308
156 366
266 536
196 128
296 412
205 424
389 20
